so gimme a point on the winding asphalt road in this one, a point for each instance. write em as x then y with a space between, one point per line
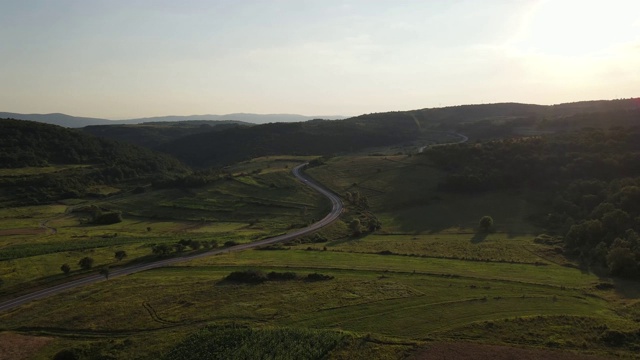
336 210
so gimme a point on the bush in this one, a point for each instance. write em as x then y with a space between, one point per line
230 243
282 276
247 277
107 218
86 263
65 355
318 277
65 268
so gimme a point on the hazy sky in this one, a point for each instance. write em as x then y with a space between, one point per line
122 59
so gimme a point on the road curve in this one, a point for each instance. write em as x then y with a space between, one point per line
336 210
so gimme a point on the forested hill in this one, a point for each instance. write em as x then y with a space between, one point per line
448 116
154 134
588 182
74 161
316 137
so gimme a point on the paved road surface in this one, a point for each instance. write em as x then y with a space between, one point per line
336 209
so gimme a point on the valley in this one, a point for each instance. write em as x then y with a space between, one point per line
407 271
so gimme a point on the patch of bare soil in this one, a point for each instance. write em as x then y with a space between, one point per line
18 347
463 350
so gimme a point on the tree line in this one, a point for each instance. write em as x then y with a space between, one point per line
589 180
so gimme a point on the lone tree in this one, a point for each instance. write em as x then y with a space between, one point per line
120 254
65 268
86 263
486 223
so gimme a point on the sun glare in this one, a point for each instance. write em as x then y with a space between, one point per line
574 28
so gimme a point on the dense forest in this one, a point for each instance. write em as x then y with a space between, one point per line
154 134
589 179
97 161
315 137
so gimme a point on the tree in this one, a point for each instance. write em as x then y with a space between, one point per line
105 272
354 225
486 223
622 262
65 268
161 249
86 263
120 254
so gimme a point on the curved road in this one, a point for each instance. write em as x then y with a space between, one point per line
336 210
463 139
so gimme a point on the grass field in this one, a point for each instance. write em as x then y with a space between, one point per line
370 294
427 281
36 240
494 247
402 191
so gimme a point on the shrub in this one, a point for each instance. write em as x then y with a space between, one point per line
107 218
230 243
282 276
318 277
65 355
65 268
86 263
247 276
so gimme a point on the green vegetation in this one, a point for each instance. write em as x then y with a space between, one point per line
153 134
588 182
72 163
237 342
36 240
516 242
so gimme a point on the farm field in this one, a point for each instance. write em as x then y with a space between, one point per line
36 240
409 290
380 297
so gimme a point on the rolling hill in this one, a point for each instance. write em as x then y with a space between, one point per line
77 122
46 162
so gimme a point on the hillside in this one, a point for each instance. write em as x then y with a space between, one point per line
77 122
393 128
317 137
46 162
57 119
154 134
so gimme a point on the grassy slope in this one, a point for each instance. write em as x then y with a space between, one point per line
402 192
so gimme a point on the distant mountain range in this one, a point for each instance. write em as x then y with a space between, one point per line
78 122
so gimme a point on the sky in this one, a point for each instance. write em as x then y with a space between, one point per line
122 59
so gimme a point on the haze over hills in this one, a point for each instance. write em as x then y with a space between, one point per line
450 113
76 121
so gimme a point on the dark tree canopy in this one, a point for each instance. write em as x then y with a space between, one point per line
486 223
86 263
